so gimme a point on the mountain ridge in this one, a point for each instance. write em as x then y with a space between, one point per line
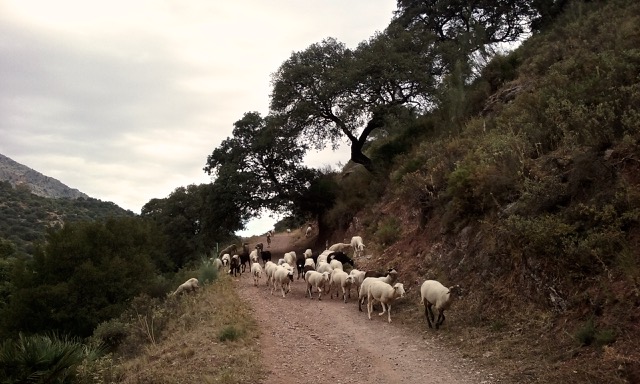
39 184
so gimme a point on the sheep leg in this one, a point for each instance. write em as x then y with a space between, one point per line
344 295
389 312
384 309
427 309
440 319
319 293
369 307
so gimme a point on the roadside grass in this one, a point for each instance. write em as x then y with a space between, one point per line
212 337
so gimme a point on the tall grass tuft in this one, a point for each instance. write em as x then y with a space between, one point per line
43 358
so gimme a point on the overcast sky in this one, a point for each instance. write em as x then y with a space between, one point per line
124 99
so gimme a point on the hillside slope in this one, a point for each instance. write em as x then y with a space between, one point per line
21 175
533 206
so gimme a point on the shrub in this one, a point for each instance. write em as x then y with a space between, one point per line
110 333
43 358
229 333
388 231
208 273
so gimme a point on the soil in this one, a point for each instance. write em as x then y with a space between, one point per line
303 339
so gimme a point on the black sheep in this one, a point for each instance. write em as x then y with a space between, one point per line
341 257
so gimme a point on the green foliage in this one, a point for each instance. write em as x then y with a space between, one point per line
229 333
110 333
589 334
102 370
24 217
84 275
389 231
43 359
207 273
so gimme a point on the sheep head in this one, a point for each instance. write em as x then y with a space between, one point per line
399 290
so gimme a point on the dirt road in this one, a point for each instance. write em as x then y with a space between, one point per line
307 340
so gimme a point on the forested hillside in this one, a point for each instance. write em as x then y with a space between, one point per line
511 173
25 217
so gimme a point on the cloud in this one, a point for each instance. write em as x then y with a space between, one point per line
124 100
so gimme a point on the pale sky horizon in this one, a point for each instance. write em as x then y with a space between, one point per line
124 100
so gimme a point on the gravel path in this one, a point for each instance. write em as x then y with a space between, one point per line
302 339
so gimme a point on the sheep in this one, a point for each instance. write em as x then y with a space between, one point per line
269 269
335 264
358 277
253 256
324 256
308 231
357 245
288 230
385 294
265 256
190 285
339 247
308 253
390 279
318 280
217 264
282 261
256 272
226 258
269 234
234 266
283 276
341 257
244 257
433 293
309 265
323 266
340 278
300 260
290 258
230 249
380 274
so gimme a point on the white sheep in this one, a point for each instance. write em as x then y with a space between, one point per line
308 231
269 269
385 294
357 245
282 261
253 256
256 272
340 279
324 256
358 277
390 279
310 263
190 285
335 264
323 266
318 280
290 258
226 258
341 247
433 293
308 253
283 276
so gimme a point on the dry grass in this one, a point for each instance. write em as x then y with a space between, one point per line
213 339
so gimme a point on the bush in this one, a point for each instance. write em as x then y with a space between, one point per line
388 231
229 333
208 273
43 358
110 333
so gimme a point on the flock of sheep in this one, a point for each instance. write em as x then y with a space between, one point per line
324 273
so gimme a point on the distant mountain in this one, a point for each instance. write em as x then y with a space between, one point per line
21 175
